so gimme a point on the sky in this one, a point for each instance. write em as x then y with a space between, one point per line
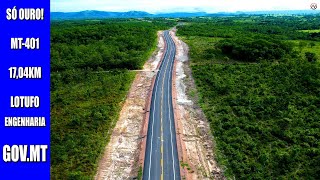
158 6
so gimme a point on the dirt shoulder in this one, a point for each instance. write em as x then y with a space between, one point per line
196 139
121 156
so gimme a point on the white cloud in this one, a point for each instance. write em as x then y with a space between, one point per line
154 6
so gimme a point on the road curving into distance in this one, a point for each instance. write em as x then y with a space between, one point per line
161 156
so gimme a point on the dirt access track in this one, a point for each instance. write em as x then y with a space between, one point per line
124 154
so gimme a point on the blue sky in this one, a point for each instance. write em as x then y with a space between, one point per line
155 6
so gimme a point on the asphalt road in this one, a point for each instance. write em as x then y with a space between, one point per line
161 157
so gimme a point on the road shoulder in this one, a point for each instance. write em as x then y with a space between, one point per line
193 130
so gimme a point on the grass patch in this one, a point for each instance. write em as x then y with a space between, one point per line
140 173
303 46
185 165
311 31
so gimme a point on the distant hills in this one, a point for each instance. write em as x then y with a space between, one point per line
97 15
141 14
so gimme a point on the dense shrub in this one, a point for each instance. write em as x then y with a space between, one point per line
264 116
311 57
253 50
105 44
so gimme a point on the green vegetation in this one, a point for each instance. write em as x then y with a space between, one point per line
140 173
258 80
83 114
253 49
311 31
311 57
89 81
283 27
185 165
105 44
304 46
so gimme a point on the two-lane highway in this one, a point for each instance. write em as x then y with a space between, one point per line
161 157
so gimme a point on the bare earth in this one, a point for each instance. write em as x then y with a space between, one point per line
121 156
196 134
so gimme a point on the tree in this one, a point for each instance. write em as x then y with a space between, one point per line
312 44
311 57
302 44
